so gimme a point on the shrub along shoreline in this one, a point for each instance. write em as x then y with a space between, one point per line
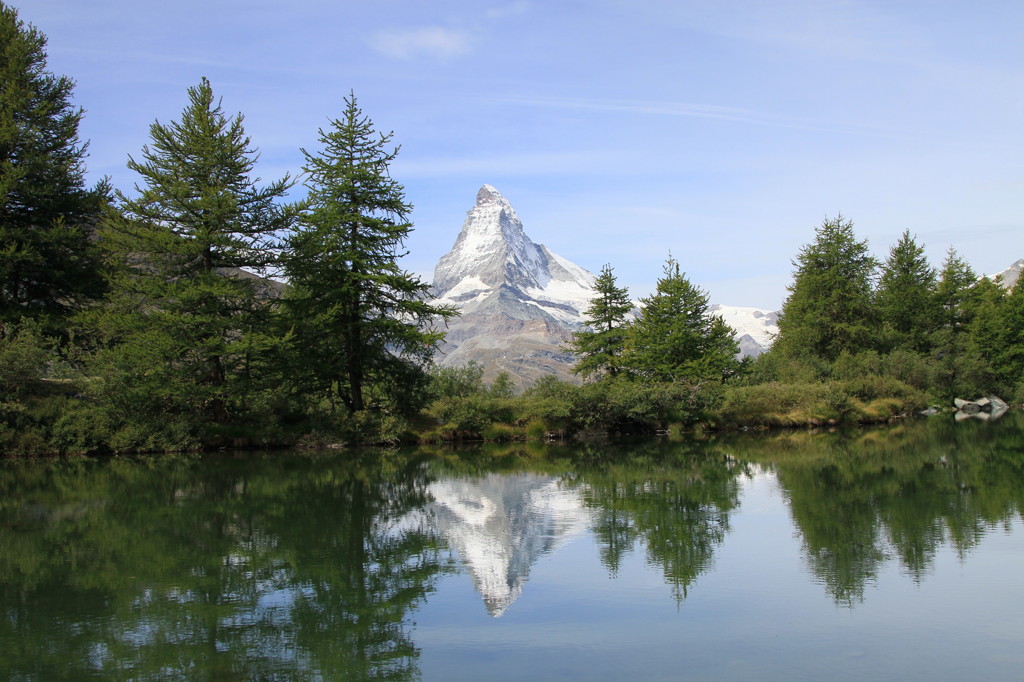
53 416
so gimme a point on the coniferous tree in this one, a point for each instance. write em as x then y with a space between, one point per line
829 308
181 302
962 370
47 262
363 321
675 337
600 346
1007 348
953 292
906 296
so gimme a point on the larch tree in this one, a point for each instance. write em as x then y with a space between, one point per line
905 298
675 337
600 345
47 256
830 308
957 299
184 296
953 292
1008 343
362 322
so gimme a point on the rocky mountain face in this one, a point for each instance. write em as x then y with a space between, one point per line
1009 277
520 302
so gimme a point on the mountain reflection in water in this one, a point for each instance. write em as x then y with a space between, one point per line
500 525
727 555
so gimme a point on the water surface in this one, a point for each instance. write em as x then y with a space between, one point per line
889 554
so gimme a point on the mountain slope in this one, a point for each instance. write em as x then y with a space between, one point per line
520 302
1009 277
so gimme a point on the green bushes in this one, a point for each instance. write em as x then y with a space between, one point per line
556 407
865 399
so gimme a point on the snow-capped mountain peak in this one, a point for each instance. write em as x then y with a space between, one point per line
519 302
493 251
492 247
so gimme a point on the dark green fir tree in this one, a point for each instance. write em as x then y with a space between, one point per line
185 303
600 345
47 255
363 325
954 292
675 337
906 299
829 308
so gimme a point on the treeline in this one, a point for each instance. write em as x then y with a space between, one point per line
150 320
146 320
860 341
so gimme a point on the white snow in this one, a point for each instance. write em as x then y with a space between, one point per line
759 324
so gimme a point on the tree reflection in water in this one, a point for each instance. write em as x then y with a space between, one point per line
862 497
310 566
250 569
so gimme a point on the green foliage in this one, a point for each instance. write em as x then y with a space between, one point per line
185 328
964 368
47 259
359 319
30 402
862 400
675 337
503 386
829 308
906 300
470 416
24 355
773 365
627 406
457 382
600 346
914 369
1007 339
954 292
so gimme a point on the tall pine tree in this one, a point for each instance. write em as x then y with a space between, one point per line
361 321
829 308
47 262
962 370
676 338
184 298
1008 344
953 292
600 346
906 298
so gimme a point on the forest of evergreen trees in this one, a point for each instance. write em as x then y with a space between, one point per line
146 319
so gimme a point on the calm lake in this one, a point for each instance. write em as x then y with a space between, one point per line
879 554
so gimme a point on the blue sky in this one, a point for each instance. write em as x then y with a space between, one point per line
722 132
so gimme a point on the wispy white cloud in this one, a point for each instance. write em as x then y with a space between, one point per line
710 111
426 41
509 10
